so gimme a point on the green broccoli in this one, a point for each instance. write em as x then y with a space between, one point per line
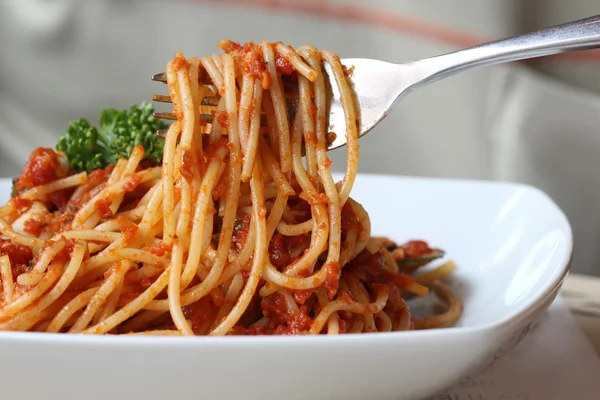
88 148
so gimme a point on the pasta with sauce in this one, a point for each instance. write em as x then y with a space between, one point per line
240 230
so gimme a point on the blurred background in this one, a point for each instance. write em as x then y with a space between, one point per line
536 122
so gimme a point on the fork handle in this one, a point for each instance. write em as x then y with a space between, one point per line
576 35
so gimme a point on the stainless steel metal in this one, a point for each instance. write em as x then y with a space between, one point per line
379 85
207 101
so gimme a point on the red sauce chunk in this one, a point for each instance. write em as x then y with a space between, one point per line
281 320
283 65
223 119
284 250
369 268
160 249
129 232
333 276
20 256
179 61
187 166
416 248
132 183
241 227
103 208
43 167
34 227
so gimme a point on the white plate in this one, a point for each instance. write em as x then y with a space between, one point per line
511 243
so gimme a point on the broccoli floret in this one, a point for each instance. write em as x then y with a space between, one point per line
88 148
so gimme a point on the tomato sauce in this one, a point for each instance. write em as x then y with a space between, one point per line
241 229
281 320
283 250
283 65
160 249
333 272
42 167
200 313
103 208
416 248
34 227
20 256
223 119
187 166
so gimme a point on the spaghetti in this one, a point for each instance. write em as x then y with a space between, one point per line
241 230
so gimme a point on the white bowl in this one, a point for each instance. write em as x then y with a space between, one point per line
511 243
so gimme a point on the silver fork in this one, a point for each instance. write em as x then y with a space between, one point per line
379 85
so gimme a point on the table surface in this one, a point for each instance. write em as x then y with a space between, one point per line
582 293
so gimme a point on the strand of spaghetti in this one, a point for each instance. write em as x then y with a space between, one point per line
30 316
333 326
274 277
171 72
19 303
48 254
295 229
136 156
383 322
116 254
195 293
189 112
216 129
168 202
290 55
60 184
272 166
279 107
243 258
360 294
110 191
276 214
79 302
214 73
92 235
212 176
308 258
438 273
251 147
447 318
323 162
347 101
218 62
16 237
161 332
122 169
243 116
142 321
258 208
193 73
365 226
350 306
111 303
307 114
269 110
151 215
232 293
173 291
133 307
6 275
116 274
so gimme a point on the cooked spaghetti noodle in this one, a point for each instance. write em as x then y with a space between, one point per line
240 230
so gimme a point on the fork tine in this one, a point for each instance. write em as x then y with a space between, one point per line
208 118
207 101
160 98
164 115
162 77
